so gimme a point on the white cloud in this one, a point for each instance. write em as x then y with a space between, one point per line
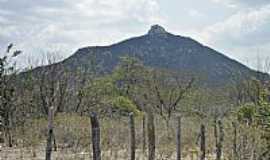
243 3
38 25
243 34
247 27
34 25
195 13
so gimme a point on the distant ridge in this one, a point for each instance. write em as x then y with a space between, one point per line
161 49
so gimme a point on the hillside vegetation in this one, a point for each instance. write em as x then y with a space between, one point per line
148 106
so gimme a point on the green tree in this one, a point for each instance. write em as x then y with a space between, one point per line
257 114
116 91
8 73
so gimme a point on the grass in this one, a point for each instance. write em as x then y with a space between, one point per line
73 137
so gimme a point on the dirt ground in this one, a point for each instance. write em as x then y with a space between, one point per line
38 154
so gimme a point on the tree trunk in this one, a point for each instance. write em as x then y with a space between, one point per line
143 135
95 137
10 144
2 139
132 137
50 134
54 143
202 144
220 140
151 136
10 126
7 130
178 139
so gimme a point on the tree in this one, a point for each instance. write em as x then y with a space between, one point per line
51 84
165 90
257 114
263 116
83 77
116 91
7 92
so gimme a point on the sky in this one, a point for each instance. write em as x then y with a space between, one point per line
239 29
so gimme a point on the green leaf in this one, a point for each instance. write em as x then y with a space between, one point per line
126 105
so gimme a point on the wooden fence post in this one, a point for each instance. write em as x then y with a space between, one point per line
151 136
143 135
202 144
1 133
132 137
50 134
178 139
95 136
220 140
235 152
216 132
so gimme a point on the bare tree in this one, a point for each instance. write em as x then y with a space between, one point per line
84 78
165 91
51 84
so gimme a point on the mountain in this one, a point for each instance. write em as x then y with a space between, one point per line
161 49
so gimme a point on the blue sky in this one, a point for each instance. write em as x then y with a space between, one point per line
238 28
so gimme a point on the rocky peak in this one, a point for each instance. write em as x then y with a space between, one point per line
157 30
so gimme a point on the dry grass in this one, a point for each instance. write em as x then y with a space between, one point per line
74 139
38 154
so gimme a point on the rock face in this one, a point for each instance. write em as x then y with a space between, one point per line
161 49
157 30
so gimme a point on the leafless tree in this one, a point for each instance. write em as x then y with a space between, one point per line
51 83
166 90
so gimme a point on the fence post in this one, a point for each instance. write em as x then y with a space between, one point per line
220 140
95 136
50 134
151 136
178 139
143 135
235 152
132 137
202 145
1 133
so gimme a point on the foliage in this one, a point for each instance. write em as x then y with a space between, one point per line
125 105
246 113
7 91
114 91
263 119
257 114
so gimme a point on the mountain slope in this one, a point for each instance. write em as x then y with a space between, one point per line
161 49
